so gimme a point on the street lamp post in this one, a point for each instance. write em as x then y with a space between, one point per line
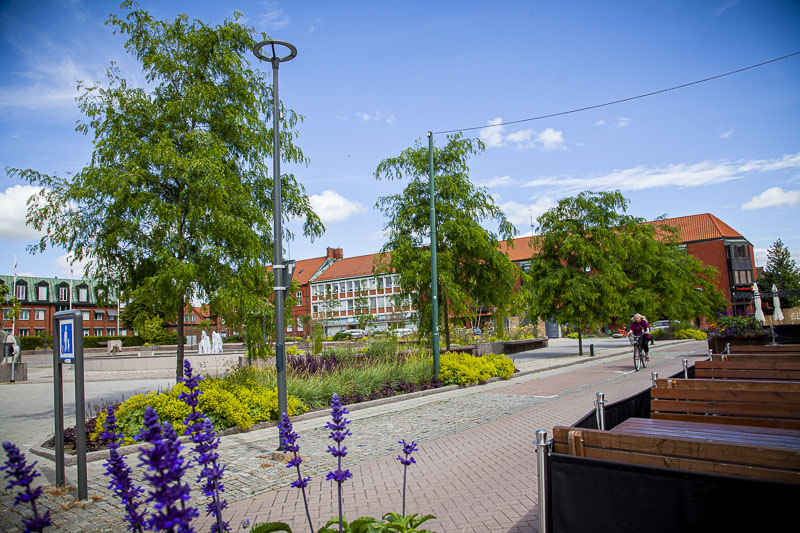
278 267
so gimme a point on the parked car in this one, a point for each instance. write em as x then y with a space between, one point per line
403 332
665 324
355 333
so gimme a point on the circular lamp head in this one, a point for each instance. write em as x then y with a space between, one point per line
257 50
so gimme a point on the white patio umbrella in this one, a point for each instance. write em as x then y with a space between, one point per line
776 302
757 303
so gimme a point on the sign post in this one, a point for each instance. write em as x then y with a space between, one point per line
68 349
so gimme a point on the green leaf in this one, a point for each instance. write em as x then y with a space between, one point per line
270 527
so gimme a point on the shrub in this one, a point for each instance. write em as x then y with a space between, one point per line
571 335
227 403
460 368
340 336
690 333
32 343
383 350
736 326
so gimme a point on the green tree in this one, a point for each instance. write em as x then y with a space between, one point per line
329 305
176 201
664 280
782 271
361 308
577 276
471 269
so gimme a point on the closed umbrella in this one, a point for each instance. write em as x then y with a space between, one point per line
776 302
757 303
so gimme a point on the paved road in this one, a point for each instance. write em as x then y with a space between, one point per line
475 470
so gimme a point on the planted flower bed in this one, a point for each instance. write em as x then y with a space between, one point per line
736 331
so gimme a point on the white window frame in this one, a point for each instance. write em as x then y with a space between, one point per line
63 294
86 315
24 314
20 292
39 314
39 290
83 294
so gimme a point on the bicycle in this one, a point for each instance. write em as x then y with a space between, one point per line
639 355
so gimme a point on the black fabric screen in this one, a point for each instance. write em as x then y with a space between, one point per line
603 496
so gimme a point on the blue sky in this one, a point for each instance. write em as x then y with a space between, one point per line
372 77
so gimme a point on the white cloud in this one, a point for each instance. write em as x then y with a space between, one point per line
314 23
494 137
13 206
47 85
724 7
68 267
551 139
727 134
773 197
497 181
600 122
622 122
273 18
521 215
379 116
681 175
330 206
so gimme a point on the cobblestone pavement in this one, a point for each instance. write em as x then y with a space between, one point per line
476 468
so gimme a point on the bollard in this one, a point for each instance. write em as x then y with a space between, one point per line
685 369
591 350
728 348
542 449
600 410
710 353
653 378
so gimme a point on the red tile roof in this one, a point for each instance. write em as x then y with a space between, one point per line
524 248
351 267
305 268
705 227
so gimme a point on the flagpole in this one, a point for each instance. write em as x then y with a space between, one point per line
70 286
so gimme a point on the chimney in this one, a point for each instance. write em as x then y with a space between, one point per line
334 253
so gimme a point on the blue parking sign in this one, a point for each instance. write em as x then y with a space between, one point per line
67 338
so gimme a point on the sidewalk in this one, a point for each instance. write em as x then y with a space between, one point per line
476 468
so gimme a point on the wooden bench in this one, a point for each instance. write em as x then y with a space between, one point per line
768 404
767 349
749 370
778 357
769 456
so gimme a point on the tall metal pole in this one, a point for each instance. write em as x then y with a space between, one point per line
434 274
277 263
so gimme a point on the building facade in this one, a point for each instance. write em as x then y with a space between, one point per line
40 298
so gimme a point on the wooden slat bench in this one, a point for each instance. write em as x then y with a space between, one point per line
767 349
723 452
769 404
749 370
786 357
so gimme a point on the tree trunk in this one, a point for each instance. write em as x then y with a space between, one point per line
580 343
446 322
179 369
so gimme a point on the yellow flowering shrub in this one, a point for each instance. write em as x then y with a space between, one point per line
461 368
225 404
690 333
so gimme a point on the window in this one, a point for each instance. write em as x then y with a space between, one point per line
372 303
123 331
24 314
342 287
21 291
7 314
373 284
24 332
39 332
111 331
98 332
315 309
299 297
740 251
742 277
38 314
85 332
349 286
83 294
98 315
85 315
63 294
42 290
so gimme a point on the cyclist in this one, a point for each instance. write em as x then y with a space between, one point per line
639 326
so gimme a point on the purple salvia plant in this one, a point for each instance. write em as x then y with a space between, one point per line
339 432
205 440
288 440
408 449
120 473
165 469
22 475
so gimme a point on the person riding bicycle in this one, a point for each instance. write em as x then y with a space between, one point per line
639 326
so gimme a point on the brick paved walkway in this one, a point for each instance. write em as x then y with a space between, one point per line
476 468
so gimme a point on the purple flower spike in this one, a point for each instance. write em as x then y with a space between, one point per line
22 475
339 432
288 440
408 449
206 442
120 473
165 469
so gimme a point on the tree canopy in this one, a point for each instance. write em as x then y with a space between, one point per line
782 271
595 263
176 201
472 271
